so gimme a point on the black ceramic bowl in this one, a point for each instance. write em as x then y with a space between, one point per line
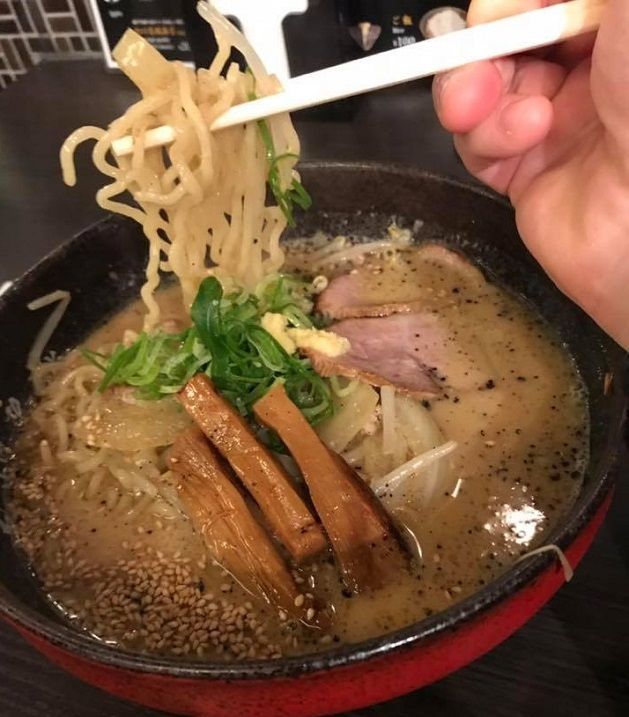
103 268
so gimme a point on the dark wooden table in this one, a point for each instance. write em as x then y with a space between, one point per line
570 660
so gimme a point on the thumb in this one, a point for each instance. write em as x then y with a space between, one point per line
481 11
610 71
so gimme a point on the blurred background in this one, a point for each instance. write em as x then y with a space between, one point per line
35 30
294 36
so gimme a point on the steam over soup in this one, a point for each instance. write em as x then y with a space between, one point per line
288 447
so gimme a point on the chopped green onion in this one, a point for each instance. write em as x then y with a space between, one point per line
285 197
228 343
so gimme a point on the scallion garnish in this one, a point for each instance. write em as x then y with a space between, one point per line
285 197
228 343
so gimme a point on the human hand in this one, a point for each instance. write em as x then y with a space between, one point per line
552 133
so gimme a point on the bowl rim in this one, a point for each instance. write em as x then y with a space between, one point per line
520 574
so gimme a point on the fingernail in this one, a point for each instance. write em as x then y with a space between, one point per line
441 82
438 84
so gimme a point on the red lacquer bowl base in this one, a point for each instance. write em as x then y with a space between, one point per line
340 688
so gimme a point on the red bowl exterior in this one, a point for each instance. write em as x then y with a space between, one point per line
379 669
340 688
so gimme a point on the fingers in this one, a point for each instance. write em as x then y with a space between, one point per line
537 77
569 53
518 124
498 111
482 98
481 11
467 96
497 173
522 116
493 151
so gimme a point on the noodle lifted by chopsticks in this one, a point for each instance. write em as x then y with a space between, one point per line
202 200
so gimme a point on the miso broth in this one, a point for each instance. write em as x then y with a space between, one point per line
104 533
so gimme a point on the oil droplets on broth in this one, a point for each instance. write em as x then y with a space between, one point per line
134 573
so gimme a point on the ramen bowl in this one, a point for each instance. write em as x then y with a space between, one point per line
103 268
